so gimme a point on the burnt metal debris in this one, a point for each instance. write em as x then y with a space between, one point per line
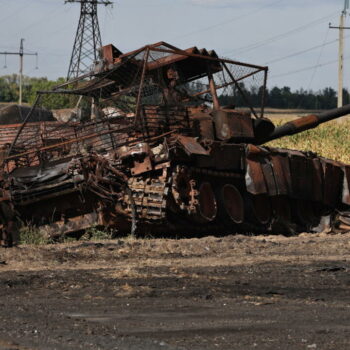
152 149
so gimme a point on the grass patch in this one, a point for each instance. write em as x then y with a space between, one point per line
330 140
96 234
33 235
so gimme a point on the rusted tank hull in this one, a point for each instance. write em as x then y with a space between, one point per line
250 189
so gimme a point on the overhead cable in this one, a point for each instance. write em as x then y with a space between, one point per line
237 18
302 52
258 44
305 69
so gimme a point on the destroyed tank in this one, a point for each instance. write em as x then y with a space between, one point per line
157 145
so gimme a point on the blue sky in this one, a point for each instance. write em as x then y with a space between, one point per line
255 31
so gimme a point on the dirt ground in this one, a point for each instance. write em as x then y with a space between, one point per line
234 292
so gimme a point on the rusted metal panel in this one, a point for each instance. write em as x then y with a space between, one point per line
317 180
269 176
254 177
274 168
75 224
307 177
140 149
282 175
110 53
287 173
333 182
241 124
231 125
203 125
301 172
346 185
224 157
191 146
141 167
191 59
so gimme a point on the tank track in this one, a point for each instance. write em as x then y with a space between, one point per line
149 198
172 202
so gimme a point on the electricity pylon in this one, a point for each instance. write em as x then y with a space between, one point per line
87 39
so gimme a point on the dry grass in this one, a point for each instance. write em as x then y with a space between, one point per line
127 259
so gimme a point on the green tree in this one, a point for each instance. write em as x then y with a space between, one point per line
9 90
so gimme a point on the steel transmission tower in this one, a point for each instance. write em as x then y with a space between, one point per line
87 38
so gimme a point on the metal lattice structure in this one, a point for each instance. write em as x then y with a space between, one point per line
87 38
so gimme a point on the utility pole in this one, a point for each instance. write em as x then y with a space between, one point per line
21 55
87 38
341 52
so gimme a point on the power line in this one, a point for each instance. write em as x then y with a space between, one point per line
14 13
237 18
51 33
318 60
43 18
305 69
258 44
302 52
315 68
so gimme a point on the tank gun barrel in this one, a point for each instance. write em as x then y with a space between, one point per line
305 123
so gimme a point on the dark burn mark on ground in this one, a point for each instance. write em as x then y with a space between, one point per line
95 299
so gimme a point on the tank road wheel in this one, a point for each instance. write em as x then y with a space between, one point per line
207 207
195 198
232 203
259 209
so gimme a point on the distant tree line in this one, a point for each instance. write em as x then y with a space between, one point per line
286 98
275 97
9 91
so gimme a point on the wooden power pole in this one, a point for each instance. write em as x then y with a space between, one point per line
341 52
21 55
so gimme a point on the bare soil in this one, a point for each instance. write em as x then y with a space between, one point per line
234 292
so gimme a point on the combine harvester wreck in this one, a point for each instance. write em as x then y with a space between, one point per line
152 150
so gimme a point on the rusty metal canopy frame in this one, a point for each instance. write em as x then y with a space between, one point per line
124 100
